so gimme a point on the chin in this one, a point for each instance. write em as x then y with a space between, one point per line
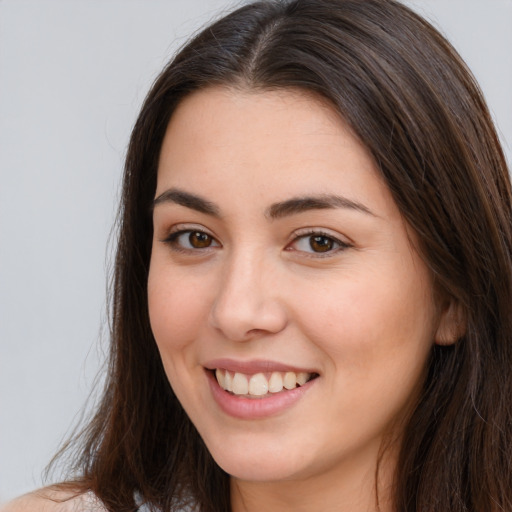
257 471
258 462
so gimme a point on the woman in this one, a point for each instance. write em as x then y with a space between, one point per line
314 253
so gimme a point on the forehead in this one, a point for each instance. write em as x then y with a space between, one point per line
268 145
226 118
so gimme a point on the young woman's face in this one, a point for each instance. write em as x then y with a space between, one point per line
280 260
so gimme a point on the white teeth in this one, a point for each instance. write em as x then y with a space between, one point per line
221 379
240 384
228 382
302 378
275 384
290 380
259 384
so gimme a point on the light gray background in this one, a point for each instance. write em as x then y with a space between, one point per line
72 77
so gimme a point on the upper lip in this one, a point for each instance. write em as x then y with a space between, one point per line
254 366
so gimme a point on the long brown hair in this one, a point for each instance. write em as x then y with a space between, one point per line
413 103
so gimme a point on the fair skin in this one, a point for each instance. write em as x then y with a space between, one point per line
250 278
50 499
278 250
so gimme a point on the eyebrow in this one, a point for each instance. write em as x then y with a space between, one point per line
192 201
322 202
279 210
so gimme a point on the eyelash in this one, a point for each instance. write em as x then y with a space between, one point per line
173 240
316 233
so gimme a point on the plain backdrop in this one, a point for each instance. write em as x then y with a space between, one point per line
73 74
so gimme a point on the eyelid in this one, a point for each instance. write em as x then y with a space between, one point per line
182 227
177 230
342 243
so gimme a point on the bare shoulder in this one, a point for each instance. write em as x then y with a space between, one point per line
53 500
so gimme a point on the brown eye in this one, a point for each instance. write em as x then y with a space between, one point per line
199 240
318 243
190 240
321 243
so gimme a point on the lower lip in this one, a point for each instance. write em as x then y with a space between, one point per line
255 408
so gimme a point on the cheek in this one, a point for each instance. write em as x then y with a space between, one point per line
176 308
371 319
377 338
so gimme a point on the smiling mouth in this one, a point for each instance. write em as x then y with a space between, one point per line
260 385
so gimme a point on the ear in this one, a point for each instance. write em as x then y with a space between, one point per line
452 323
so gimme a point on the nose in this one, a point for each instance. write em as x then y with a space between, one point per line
248 303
